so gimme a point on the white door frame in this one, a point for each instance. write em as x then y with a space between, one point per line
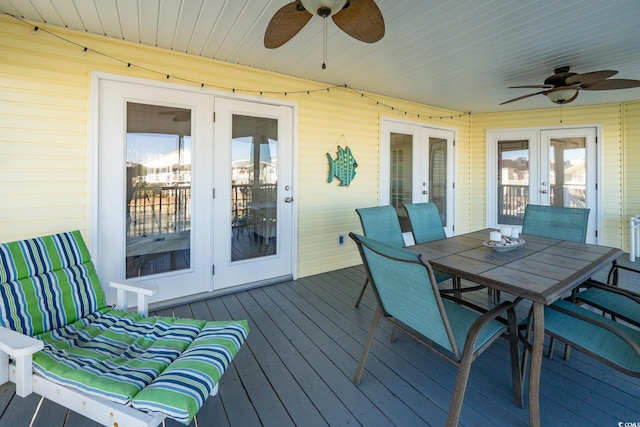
94 153
534 136
421 133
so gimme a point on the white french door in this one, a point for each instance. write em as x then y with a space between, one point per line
184 203
417 166
556 167
254 195
154 203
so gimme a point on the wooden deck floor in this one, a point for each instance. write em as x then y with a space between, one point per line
305 340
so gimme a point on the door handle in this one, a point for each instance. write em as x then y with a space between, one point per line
543 191
288 199
425 192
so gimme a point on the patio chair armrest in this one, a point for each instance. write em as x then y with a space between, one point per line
493 314
20 348
143 290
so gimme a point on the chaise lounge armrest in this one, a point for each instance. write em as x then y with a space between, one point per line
21 348
143 290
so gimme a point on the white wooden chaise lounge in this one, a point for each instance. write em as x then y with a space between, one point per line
60 340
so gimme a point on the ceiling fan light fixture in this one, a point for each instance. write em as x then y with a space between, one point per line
562 95
323 8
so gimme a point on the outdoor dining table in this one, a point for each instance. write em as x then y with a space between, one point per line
541 270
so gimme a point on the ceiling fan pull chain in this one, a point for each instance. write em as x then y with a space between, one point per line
324 44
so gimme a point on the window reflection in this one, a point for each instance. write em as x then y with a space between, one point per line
158 180
254 182
438 175
513 181
401 175
568 172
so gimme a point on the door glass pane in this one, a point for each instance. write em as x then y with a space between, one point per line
438 175
158 189
401 175
568 172
254 179
513 181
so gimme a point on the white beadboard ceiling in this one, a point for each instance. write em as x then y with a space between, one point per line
456 54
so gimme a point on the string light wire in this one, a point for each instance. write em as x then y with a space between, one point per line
85 49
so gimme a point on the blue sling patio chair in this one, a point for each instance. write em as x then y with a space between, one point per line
426 226
408 297
613 343
610 298
380 223
557 222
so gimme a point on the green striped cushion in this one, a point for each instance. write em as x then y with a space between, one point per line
182 388
32 257
113 353
163 364
46 283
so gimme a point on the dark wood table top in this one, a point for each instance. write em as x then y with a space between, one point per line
542 270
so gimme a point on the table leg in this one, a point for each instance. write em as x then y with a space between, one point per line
537 344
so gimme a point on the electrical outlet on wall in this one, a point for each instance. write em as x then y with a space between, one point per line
342 239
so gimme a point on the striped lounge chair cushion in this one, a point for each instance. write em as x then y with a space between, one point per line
158 364
183 387
46 283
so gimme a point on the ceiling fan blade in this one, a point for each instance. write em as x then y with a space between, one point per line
285 24
613 84
532 87
362 20
592 77
522 97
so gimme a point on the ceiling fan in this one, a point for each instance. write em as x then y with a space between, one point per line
361 19
564 86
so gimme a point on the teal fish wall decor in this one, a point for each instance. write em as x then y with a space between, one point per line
343 167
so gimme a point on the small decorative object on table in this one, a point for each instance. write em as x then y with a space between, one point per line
501 241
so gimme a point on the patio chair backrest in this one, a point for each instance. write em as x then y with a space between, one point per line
381 223
426 223
557 222
406 289
47 282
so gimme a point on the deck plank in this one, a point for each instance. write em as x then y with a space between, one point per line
266 406
312 342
